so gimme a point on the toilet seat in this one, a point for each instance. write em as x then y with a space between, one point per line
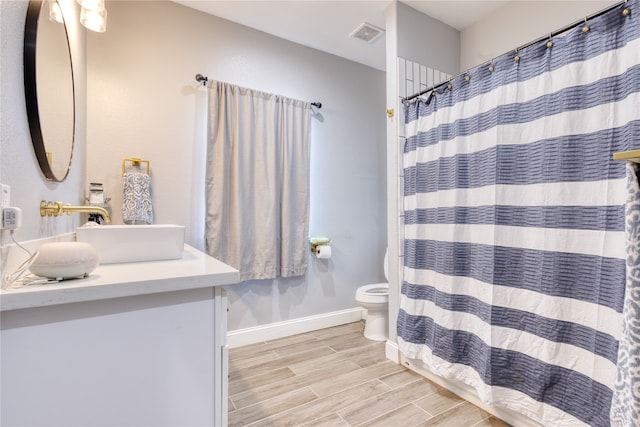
377 293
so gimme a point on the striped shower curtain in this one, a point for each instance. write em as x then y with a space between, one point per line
514 245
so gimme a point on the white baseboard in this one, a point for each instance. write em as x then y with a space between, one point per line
301 325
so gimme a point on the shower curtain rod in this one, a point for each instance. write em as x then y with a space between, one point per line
549 36
203 79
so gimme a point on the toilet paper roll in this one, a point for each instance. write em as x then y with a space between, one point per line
323 251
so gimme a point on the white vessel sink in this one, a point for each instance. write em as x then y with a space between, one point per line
132 243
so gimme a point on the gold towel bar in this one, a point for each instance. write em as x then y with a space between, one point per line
135 161
631 156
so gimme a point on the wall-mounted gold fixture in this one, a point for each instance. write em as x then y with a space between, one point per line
58 209
135 162
316 241
630 156
390 112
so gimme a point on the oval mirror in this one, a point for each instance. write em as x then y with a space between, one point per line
49 91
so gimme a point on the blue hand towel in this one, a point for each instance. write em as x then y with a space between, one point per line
136 203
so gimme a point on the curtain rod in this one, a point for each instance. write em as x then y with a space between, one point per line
625 12
203 79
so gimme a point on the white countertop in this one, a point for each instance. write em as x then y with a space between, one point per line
195 270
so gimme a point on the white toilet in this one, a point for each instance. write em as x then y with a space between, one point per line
375 298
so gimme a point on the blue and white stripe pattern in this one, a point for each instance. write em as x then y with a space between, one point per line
514 242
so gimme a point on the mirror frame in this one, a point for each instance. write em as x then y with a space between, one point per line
31 91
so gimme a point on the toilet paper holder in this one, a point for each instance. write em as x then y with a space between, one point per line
316 241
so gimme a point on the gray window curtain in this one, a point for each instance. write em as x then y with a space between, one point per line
257 182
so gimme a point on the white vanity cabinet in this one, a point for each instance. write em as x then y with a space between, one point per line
135 344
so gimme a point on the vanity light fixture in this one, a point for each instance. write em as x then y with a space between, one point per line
55 13
94 20
92 4
93 15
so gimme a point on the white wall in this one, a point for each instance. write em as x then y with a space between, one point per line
518 23
18 164
426 40
145 102
411 35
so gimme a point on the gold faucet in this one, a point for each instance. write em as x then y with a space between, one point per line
58 209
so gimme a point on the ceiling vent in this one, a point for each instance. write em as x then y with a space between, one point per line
367 32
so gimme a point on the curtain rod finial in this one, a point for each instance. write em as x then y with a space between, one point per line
201 79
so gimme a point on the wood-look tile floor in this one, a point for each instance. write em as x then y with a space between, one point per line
336 377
